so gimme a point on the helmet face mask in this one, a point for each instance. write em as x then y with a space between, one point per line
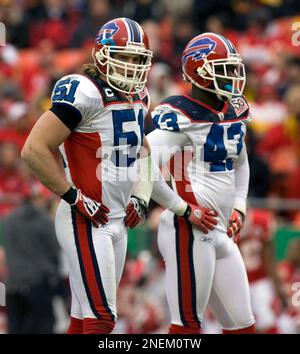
227 76
219 70
126 77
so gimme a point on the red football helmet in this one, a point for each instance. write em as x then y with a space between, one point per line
123 36
211 62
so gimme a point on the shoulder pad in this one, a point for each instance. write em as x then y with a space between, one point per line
194 110
74 88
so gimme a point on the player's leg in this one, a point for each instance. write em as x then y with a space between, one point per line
230 297
76 321
110 258
187 285
210 323
65 236
90 255
120 247
98 271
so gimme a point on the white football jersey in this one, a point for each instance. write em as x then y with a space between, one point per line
203 173
107 133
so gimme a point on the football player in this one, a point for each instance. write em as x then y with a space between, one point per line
96 122
204 132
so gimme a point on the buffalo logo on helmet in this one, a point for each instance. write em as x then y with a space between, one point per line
199 49
106 33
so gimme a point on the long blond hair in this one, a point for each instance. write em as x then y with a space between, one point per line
91 70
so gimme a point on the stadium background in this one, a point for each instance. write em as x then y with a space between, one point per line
51 38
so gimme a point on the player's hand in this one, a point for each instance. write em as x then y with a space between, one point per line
235 224
135 212
90 209
203 218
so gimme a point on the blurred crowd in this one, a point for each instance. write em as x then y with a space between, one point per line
46 39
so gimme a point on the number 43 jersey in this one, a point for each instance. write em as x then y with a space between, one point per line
204 172
107 132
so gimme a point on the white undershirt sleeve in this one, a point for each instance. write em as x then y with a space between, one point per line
242 175
164 144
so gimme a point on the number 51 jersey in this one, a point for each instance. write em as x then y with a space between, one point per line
107 132
203 173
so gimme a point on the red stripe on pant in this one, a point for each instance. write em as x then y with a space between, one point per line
88 268
186 292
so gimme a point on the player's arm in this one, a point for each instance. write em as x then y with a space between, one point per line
142 188
164 144
41 153
144 184
242 175
140 195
